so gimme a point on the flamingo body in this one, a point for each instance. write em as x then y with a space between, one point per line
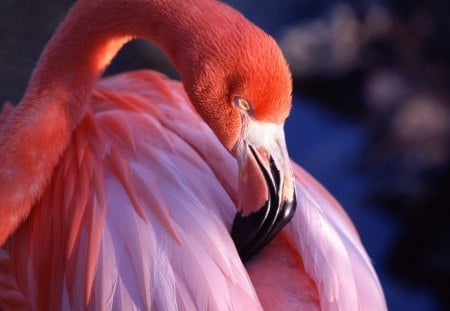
137 216
119 194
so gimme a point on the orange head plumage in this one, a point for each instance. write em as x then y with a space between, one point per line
230 57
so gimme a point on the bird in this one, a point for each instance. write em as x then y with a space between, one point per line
137 192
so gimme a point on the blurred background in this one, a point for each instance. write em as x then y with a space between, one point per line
370 118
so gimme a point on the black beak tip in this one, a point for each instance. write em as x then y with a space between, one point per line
252 232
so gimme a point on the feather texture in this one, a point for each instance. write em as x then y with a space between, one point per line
137 216
332 251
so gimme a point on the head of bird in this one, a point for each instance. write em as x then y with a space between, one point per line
241 85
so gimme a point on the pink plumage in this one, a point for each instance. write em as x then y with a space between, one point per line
137 209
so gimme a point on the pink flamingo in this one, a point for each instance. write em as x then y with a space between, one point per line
120 193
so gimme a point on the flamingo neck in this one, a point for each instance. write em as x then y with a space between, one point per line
94 31
192 33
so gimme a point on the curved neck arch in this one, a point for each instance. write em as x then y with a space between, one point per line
193 33
190 32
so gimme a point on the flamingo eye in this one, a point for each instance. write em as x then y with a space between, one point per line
242 104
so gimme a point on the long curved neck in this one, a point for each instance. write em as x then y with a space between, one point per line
94 31
34 137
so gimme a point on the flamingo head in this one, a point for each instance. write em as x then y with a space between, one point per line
241 86
267 199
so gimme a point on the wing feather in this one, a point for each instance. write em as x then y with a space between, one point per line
136 215
331 250
138 212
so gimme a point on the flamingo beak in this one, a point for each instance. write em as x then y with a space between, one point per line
267 198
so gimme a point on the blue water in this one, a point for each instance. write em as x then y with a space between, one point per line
331 148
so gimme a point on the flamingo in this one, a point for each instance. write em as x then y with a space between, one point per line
139 192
